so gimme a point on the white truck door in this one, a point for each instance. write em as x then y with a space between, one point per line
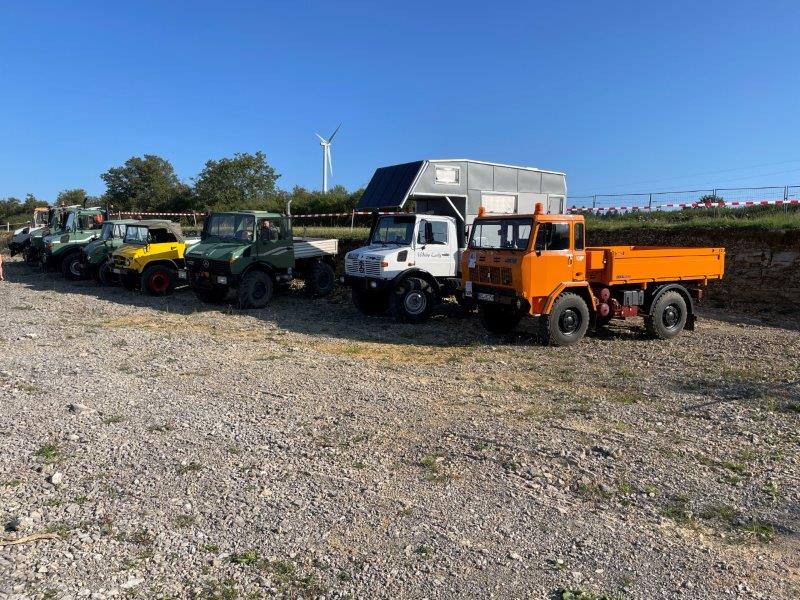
436 247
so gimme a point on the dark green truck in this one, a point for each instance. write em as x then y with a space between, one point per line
253 252
96 259
62 250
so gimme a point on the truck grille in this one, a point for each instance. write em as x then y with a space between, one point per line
364 266
221 267
493 275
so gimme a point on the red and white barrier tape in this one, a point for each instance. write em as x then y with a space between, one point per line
686 205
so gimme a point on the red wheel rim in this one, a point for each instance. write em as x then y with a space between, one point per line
159 282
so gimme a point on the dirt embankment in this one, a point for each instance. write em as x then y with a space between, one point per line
762 268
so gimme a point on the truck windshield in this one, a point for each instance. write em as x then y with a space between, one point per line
70 221
506 234
135 235
108 231
394 230
233 227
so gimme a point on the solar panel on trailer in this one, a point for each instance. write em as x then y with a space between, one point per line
389 186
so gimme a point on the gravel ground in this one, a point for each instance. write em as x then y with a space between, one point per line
173 449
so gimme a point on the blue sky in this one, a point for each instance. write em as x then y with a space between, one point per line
623 97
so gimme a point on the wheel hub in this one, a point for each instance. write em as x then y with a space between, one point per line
159 282
415 302
570 321
671 317
259 290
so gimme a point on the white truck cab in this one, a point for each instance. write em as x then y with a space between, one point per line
410 262
413 259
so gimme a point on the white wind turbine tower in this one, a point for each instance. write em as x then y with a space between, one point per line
327 165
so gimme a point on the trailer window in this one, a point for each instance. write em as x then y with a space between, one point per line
553 236
579 239
507 234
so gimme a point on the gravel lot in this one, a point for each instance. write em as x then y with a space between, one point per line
181 450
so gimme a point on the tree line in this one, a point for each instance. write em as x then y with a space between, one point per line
149 184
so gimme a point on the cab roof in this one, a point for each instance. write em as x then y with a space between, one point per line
256 213
170 226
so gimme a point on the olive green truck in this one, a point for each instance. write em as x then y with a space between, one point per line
253 253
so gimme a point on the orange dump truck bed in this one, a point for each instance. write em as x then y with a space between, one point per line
615 265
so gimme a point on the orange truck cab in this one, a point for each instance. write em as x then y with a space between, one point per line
539 265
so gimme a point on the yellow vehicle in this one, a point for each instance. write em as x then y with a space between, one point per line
151 256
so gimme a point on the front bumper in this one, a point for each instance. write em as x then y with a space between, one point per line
365 283
207 280
487 294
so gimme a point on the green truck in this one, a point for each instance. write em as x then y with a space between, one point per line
62 249
56 216
253 252
96 261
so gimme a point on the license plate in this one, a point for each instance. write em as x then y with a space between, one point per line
485 297
117 271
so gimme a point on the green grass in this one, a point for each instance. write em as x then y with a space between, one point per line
341 233
757 217
49 452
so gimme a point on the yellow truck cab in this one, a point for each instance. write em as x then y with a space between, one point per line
150 257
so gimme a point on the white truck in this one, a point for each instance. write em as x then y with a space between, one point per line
412 259
22 236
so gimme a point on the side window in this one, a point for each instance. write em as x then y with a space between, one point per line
553 236
423 225
439 233
269 230
579 236
119 231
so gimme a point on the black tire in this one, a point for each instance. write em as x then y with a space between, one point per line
567 322
29 254
105 275
159 280
467 304
369 303
413 300
320 279
255 290
667 317
498 319
71 266
213 296
129 281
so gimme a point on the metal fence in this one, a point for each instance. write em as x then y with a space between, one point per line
778 196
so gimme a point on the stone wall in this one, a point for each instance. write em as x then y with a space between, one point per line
762 268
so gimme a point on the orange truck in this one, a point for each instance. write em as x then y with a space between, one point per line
539 265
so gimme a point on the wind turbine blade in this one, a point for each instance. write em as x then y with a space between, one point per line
330 139
321 139
330 162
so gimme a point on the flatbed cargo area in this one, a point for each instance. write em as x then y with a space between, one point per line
617 265
305 247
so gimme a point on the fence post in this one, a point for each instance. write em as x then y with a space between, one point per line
353 219
650 204
594 202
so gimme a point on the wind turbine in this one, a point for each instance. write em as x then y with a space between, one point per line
327 165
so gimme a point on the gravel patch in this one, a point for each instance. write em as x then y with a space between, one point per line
186 450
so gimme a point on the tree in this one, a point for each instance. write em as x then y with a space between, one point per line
72 197
147 184
245 181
